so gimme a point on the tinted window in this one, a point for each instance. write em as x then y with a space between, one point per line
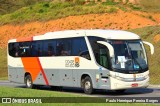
63 47
49 48
79 48
58 47
36 48
24 49
13 49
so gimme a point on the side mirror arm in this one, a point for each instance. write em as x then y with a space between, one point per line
110 47
151 46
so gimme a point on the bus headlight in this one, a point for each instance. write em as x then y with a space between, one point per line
147 76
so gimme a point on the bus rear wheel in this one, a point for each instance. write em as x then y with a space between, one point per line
28 81
87 85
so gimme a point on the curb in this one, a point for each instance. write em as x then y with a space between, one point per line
154 86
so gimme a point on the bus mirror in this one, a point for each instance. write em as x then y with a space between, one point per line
151 46
109 46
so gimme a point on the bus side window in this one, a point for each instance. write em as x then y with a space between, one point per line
49 47
63 47
39 49
103 56
50 50
24 49
33 49
13 49
79 48
45 48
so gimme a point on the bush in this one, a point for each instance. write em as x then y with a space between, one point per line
79 2
41 11
135 7
112 10
46 5
109 2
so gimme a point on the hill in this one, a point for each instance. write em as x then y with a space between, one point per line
48 16
44 11
94 21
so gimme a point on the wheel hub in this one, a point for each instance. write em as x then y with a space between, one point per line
29 82
87 85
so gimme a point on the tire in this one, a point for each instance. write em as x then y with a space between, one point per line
87 85
120 91
28 81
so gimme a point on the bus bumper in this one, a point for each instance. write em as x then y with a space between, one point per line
119 84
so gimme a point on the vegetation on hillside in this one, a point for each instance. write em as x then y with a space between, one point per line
21 11
150 5
8 6
3 63
53 10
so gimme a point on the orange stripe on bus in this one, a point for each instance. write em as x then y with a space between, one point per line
32 66
24 39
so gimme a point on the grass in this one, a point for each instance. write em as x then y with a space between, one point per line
35 10
150 5
4 78
3 64
135 7
24 92
44 11
123 8
9 6
53 10
109 2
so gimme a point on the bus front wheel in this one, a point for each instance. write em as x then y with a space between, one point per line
28 81
87 85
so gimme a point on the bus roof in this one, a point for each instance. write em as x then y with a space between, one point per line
108 34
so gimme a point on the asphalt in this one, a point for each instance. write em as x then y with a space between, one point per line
151 91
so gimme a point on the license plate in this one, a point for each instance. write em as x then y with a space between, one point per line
134 85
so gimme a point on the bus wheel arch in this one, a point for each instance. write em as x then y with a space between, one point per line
87 84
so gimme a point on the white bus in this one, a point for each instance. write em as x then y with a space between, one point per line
90 59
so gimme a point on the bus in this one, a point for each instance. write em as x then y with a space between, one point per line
89 59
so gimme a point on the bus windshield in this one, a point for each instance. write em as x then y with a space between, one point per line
129 56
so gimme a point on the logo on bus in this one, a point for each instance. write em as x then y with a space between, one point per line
77 62
72 63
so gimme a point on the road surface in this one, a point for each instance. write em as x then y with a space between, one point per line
137 92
